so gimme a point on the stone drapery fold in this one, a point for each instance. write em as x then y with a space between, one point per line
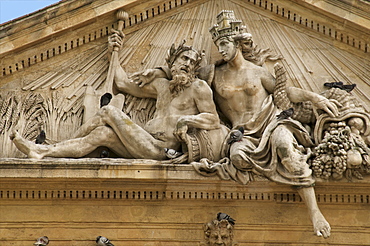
259 154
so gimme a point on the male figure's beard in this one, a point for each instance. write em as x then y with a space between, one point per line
180 81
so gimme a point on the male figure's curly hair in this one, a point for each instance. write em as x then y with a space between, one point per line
173 53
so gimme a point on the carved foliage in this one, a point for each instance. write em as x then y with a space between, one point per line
140 110
32 112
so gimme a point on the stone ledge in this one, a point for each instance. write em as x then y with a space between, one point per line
114 168
96 168
164 204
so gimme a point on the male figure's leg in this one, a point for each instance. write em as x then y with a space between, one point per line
320 226
138 142
77 147
294 160
123 136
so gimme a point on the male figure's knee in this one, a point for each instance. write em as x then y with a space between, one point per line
106 110
110 112
102 135
282 139
283 151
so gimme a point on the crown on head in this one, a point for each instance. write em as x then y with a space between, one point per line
173 53
226 25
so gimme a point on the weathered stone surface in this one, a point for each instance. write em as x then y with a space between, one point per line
47 60
151 204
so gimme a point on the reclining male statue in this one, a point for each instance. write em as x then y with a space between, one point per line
183 103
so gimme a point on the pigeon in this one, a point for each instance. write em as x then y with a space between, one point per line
236 135
340 85
104 154
285 114
42 241
223 216
103 241
41 137
348 88
171 153
105 99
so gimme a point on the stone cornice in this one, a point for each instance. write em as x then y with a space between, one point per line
90 178
348 10
52 21
70 24
96 168
111 168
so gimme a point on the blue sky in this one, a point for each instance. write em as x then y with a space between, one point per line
12 9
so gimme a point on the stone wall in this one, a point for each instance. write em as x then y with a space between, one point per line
74 201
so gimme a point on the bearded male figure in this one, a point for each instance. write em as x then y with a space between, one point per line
183 103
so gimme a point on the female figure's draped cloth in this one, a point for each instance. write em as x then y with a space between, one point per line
258 150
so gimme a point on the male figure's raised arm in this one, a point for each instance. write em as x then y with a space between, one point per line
122 81
328 105
297 95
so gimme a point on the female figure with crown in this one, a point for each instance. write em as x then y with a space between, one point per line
243 90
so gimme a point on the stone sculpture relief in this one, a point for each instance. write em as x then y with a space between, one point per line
219 232
326 135
277 147
184 104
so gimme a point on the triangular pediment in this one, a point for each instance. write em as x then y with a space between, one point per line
61 56
54 63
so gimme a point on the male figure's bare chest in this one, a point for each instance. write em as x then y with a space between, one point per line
172 104
229 84
183 102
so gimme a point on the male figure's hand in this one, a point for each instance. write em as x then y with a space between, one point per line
330 106
181 130
144 77
115 40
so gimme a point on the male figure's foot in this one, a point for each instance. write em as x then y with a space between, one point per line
27 147
320 225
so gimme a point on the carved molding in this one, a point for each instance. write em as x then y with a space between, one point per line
158 195
25 179
284 11
63 46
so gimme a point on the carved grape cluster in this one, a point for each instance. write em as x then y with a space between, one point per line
331 154
340 152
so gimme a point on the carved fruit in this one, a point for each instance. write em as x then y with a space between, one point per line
337 176
366 160
354 158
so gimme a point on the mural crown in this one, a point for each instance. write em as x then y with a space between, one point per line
226 25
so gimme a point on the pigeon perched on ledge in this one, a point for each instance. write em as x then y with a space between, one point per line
103 241
348 88
105 99
42 241
236 135
104 154
172 154
41 137
340 85
285 114
223 216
